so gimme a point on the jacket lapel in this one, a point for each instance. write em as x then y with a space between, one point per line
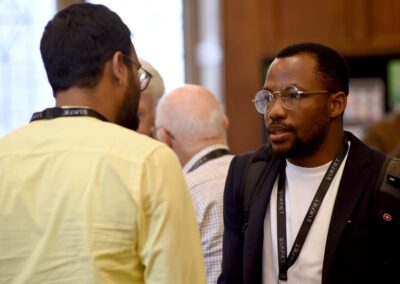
354 179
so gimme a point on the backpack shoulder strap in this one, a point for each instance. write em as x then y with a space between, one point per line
258 164
388 191
253 174
387 203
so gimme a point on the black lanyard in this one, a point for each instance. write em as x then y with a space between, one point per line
286 262
210 156
55 112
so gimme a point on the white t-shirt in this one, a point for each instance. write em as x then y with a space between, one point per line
301 186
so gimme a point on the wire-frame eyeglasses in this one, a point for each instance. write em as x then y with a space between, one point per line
289 95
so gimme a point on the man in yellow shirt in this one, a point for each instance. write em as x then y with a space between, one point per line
84 199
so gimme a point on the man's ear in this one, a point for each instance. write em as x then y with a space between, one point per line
117 67
226 122
337 104
164 136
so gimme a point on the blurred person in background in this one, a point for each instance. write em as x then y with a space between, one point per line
385 135
191 121
148 100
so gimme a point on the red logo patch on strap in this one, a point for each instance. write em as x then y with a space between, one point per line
387 217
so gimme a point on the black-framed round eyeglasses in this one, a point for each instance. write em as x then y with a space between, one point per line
289 95
144 75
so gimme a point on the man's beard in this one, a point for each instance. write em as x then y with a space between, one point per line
305 145
128 113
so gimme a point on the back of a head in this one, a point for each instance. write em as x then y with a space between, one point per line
331 66
156 87
78 41
191 113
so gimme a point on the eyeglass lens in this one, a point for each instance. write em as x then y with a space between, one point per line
265 99
144 78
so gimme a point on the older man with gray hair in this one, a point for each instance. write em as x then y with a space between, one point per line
191 121
148 100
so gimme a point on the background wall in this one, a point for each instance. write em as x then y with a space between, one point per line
255 30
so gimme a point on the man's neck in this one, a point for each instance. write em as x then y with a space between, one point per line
324 154
80 97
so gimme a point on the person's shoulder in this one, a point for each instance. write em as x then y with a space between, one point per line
245 155
211 173
361 151
239 163
153 158
263 153
13 138
134 143
389 122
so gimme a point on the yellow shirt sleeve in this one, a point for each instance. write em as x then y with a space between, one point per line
169 241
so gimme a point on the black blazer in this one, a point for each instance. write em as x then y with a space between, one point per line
354 250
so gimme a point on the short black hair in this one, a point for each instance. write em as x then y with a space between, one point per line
331 66
77 43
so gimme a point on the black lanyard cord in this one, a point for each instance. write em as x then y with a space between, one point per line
210 156
55 112
285 262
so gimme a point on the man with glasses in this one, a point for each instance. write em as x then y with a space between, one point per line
83 198
311 212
